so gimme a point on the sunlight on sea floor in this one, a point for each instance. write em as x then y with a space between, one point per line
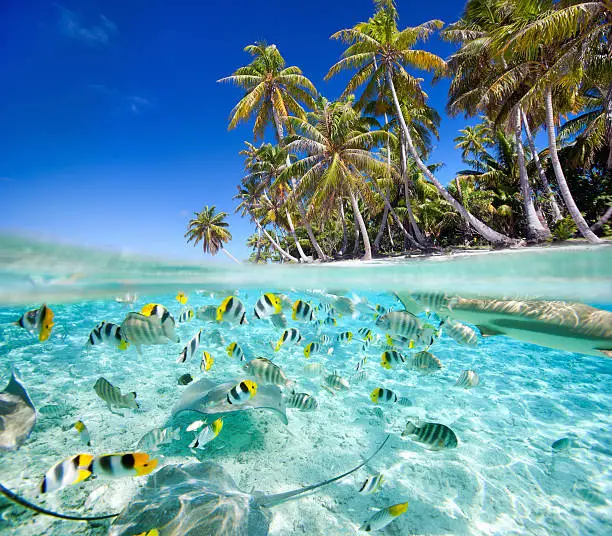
502 479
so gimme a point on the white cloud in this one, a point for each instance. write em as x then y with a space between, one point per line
98 34
134 103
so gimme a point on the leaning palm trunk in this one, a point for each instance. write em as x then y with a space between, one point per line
535 230
550 195
582 225
381 231
481 228
295 238
603 220
362 228
344 229
413 223
397 219
300 206
275 244
258 254
230 255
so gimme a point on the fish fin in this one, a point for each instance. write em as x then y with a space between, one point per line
487 331
83 474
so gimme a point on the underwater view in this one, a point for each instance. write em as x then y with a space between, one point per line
212 409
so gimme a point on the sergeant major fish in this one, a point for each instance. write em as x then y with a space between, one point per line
301 401
399 323
425 362
140 329
265 371
434 435
113 397
336 382
460 333
157 437
468 379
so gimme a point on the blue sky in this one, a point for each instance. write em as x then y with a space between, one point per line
114 129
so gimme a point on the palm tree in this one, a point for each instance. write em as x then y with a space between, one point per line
337 146
210 228
549 43
381 53
273 91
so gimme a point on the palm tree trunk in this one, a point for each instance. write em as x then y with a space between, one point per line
295 238
258 254
535 230
381 231
413 223
362 227
603 220
344 229
550 195
300 206
356 242
275 244
397 219
390 236
230 255
481 228
556 164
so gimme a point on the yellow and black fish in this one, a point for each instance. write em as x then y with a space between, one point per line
390 358
107 333
38 321
207 362
231 310
123 464
268 305
291 335
302 312
312 348
345 336
70 471
242 392
235 350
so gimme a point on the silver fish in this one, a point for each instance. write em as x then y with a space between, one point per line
435 435
424 362
468 379
157 437
139 330
191 348
301 401
113 397
267 372
207 313
399 323
460 333
336 382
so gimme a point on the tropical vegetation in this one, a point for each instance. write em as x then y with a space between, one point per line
357 176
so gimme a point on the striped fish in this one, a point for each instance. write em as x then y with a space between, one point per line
428 335
113 397
343 305
231 310
359 377
403 401
191 348
265 371
235 350
365 334
468 379
312 348
157 437
460 333
301 401
399 341
380 395
242 392
268 305
186 316
325 339
399 323
302 312
361 363
371 484
107 333
336 382
207 313
436 302
67 472
140 329
345 336
291 335
207 362
38 321
435 435
329 321
390 358
55 410
208 433
123 464
383 517
425 362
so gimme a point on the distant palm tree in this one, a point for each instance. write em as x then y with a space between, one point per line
273 91
210 229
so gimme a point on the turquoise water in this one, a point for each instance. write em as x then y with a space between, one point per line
503 477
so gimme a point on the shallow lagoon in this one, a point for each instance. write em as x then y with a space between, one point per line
502 479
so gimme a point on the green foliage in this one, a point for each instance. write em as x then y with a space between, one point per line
564 229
